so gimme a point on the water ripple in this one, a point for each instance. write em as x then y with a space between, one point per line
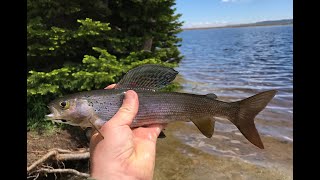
239 62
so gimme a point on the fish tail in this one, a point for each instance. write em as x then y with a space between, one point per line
249 108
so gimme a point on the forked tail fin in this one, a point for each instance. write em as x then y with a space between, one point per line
249 108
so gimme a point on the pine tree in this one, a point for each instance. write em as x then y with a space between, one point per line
81 45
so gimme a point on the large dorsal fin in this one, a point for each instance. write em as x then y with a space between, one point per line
147 77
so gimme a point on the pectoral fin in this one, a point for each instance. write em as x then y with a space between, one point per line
205 125
96 128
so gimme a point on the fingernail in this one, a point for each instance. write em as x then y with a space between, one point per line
128 93
125 94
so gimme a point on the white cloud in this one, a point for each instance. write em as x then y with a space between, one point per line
226 1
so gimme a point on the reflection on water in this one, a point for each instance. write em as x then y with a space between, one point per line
233 63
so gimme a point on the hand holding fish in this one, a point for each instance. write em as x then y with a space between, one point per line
124 153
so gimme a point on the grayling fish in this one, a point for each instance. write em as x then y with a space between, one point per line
94 108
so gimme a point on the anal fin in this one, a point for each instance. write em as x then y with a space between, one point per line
205 124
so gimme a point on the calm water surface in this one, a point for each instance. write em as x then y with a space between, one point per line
240 62
235 63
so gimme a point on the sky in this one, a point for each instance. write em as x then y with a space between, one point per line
211 13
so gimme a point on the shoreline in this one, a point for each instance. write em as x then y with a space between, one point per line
235 26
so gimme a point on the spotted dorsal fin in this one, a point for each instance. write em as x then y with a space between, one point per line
147 77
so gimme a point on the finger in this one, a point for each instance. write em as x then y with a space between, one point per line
150 133
127 111
145 139
110 86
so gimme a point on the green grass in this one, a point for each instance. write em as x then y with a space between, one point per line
41 126
36 111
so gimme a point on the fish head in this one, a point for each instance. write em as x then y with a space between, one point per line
72 111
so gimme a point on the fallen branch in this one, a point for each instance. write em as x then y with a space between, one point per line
41 160
61 155
71 171
75 156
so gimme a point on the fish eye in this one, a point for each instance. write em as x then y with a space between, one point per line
64 104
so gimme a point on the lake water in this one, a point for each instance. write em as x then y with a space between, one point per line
240 62
234 63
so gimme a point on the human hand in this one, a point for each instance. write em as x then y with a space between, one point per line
124 153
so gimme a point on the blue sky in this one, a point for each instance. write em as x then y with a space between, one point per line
205 13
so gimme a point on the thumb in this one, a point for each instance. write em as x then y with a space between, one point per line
127 111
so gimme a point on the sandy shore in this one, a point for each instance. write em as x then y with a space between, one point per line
184 154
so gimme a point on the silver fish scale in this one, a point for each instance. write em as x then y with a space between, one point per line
167 107
159 107
106 105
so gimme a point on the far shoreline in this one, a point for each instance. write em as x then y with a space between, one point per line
235 26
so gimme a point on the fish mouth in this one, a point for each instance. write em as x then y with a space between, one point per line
54 116
60 120
51 118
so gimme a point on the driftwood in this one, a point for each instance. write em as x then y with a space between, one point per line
59 155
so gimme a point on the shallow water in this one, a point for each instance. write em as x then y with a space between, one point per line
233 63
